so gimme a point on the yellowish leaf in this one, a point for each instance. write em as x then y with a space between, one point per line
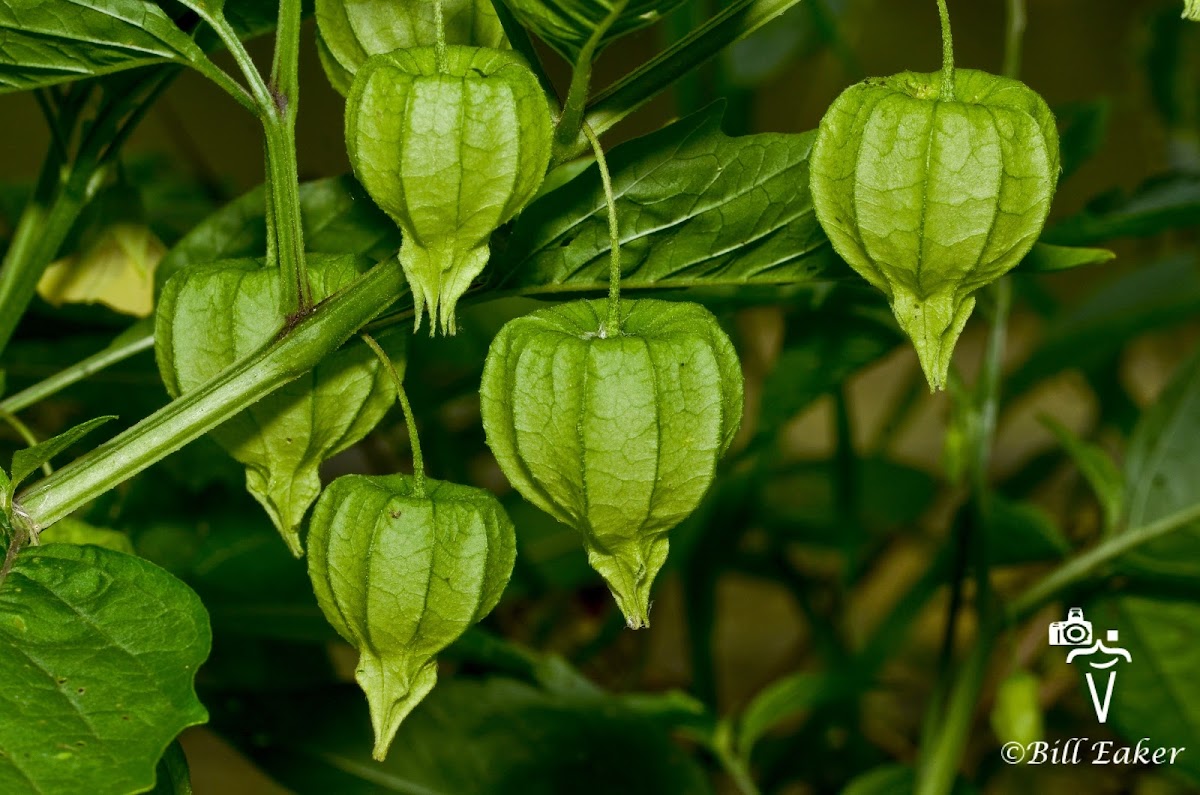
115 269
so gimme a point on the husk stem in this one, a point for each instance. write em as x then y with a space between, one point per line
947 53
409 420
613 325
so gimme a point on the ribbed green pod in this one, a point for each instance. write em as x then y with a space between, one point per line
930 199
450 151
616 436
211 316
348 33
400 576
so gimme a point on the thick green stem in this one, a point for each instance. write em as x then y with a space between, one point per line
285 233
613 326
409 420
190 416
947 53
123 348
285 67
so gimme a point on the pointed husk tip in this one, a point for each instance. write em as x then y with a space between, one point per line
393 691
438 277
630 581
934 324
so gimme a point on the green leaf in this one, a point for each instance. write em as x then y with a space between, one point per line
74 531
1016 716
251 585
1161 469
887 780
829 347
893 780
787 698
1097 467
568 25
173 776
26 462
736 20
1155 695
1083 130
211 316
350 32
1020 532
1046 258
338 216
1171 201
1089 335
43 42
490 737
803 498
98 653
696 208
800 32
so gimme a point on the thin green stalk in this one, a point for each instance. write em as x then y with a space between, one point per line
285 66
439 24
722 748
988 388
1089 563
1014 40
939 767
226 83
258 88
118 352
570 123
68 183
409 420
24 432
40 233
616 102
613 326
947 53
277 105
943 744
193 414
